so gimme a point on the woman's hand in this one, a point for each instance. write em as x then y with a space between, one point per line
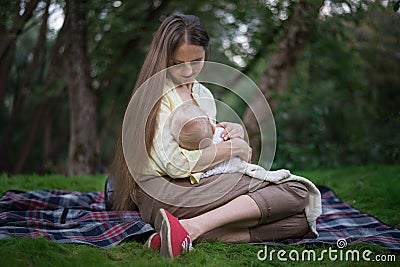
232 130
241 149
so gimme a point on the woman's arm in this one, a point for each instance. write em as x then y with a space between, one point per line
217 153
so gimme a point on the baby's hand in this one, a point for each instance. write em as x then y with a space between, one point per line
232 130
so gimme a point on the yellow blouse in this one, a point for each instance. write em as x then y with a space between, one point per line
166 157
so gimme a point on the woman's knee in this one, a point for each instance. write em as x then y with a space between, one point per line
298 193
279 201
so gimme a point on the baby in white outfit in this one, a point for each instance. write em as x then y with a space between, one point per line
191 128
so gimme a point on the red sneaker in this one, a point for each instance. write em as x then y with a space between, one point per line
174 238
154 242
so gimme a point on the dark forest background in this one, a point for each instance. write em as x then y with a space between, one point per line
330 70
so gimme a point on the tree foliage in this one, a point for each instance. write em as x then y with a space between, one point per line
339 98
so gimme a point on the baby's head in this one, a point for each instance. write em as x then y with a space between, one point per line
191 128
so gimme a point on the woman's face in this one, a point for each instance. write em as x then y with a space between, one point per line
188 60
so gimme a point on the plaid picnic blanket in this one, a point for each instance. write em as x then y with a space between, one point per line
79 217
67 217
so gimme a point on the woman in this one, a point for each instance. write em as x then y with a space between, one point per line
271 212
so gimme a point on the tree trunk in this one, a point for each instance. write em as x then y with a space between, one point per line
83 149
296 36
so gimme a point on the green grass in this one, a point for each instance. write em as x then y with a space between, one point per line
35 182
373 189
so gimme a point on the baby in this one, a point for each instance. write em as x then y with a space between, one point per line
192 129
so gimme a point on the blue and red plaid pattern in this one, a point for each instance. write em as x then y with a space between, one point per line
79 217
341 221
67 217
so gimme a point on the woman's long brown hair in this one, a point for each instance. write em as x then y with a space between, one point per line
173 32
